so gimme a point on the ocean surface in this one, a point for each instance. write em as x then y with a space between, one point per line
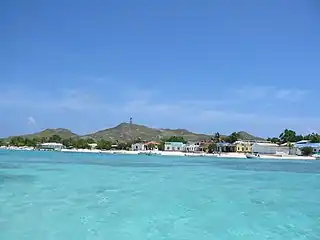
73 196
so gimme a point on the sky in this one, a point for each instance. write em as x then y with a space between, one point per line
206 66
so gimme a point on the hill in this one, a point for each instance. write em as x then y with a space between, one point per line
62 132
127 132
246 136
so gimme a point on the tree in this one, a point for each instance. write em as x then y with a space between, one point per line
307 151
287 136
17 141
313 137
68 142
90 141
103 145
175 139
81 144
212 147
55 138
273 140
161 146
217 137
299 138
232 138
30 142
123 146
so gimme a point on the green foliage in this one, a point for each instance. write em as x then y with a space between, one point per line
291 136
103 145
313 137
2 142
306 151
217 137
161 146
90 141
17 141
68 143
212 147
274 140
55 138
123 146
174 139
232 138
81 143
288 136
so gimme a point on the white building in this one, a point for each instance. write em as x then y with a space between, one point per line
51 146
138 147
272 148
192 147
93 145
306 143
175 146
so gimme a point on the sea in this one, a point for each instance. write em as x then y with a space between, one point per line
75 196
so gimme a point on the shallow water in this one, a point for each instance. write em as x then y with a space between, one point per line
47 195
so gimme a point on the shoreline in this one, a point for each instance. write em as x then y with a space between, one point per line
167 153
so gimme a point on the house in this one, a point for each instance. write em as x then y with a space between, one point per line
138 147
152 145
243 147
307 143
273 148
226 147
51 146
174 146
93 145
193 147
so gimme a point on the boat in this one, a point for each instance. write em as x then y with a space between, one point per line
253 156
149 153
316 156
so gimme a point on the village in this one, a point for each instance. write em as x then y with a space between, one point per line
303 149
240 147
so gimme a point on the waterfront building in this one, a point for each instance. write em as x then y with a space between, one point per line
152 145
175 146
243 147
226 147
51 146
138 147
273 149
306 143
193 147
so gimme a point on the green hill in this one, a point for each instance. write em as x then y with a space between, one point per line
62 132
129 132
126 132
246 136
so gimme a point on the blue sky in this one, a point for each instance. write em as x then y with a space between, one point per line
202 65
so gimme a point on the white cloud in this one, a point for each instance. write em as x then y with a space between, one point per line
271 93
244 107
31 121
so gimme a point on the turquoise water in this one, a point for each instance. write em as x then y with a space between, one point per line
47 195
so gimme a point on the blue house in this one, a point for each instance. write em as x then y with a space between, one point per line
305 143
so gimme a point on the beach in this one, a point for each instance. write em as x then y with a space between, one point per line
172 153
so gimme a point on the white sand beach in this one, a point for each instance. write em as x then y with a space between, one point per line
170 153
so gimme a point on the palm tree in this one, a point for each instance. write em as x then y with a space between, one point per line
217 137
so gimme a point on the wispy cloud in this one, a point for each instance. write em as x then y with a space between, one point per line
32 122
271 93
242 107
71 99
